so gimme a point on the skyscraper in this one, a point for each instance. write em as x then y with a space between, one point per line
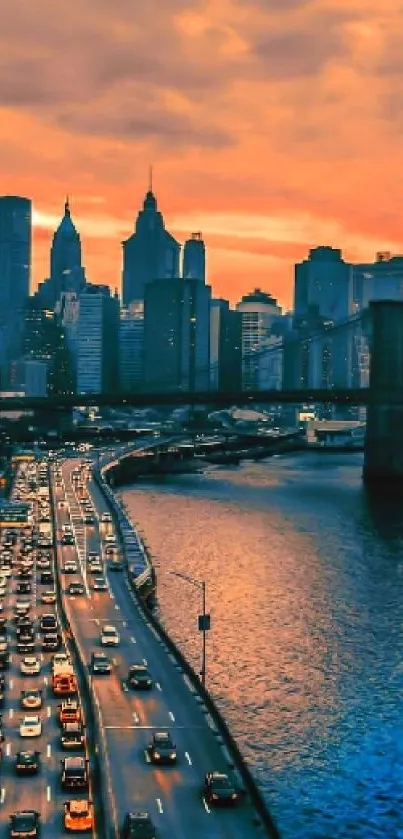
225 347
66 271
323 283
150 253
259 312
194 258
177 335
15 270
131 346
97 341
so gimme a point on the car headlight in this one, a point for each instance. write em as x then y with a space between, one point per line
172 755
213 795
157 755
135 681
234 795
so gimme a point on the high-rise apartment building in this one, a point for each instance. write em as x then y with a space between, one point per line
131 347
259 312
150 253
177 335
379 280
97 341
323 285
225 347
15 272
194 259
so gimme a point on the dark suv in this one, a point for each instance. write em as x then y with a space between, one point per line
74 773
138 825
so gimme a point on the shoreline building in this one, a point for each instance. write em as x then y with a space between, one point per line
150 253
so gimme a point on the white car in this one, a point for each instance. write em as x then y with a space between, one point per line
31 726
6 571
106 517
110 636
30 665
60 658
110 539
70 567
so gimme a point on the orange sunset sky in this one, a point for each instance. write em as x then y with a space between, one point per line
273 126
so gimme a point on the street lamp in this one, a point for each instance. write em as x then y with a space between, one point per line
204 621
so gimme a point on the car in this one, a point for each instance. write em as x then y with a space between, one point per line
69 567
21 608
100 664
99 584
27 763
74 773
95 568
72 736
106 517
46 578
23 622
219 789
67 539
25 823
31 699
48 597
31 726
60 658
75 589
69 711
3 644
23 587
61 503
139 677
43 564
109 636
78 815
138 825
89 519
25 647
93 556
110 540
115 565
162 748
25 632
48 623
51 641
30 665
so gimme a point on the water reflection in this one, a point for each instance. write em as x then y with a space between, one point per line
305 588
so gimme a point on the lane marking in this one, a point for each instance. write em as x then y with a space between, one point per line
188 758
145 661
158 686
48 793
11 713
11 683
171 715
45 680
133 640
8 749
159 805
136 717
2 795
206 807
147 756
49 750
116 606
49 710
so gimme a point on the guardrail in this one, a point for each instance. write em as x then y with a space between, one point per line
104 805
235 759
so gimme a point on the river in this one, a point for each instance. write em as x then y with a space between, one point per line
305 656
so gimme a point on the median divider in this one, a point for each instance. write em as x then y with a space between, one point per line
106 822
234 757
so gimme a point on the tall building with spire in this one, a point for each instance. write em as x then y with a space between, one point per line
66 270
150 253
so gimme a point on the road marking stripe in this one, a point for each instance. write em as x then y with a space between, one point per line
135 717
49 709
48 750
171 715
45 680
8 749
48 793
116 606
2 795
159 805
206 807
133 640
147 756
158 686
11 713
11 683
187 756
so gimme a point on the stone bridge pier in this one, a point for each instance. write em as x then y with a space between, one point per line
383 453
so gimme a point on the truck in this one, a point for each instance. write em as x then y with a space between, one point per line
64 681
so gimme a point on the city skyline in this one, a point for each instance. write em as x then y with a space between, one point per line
242 139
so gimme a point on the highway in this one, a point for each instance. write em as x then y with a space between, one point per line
173 794
41 792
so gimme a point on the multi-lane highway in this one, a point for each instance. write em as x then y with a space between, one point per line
172 795
40 792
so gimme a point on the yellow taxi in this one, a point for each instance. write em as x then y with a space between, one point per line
78 815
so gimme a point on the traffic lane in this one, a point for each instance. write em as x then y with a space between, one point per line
203 743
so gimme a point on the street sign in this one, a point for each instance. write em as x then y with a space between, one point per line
204 623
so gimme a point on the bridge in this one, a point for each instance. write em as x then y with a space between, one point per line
358 362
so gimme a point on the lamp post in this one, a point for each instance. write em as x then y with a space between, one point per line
204 621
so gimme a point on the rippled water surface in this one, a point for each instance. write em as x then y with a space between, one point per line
305 656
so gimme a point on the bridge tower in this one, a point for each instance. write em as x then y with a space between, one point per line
383 457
